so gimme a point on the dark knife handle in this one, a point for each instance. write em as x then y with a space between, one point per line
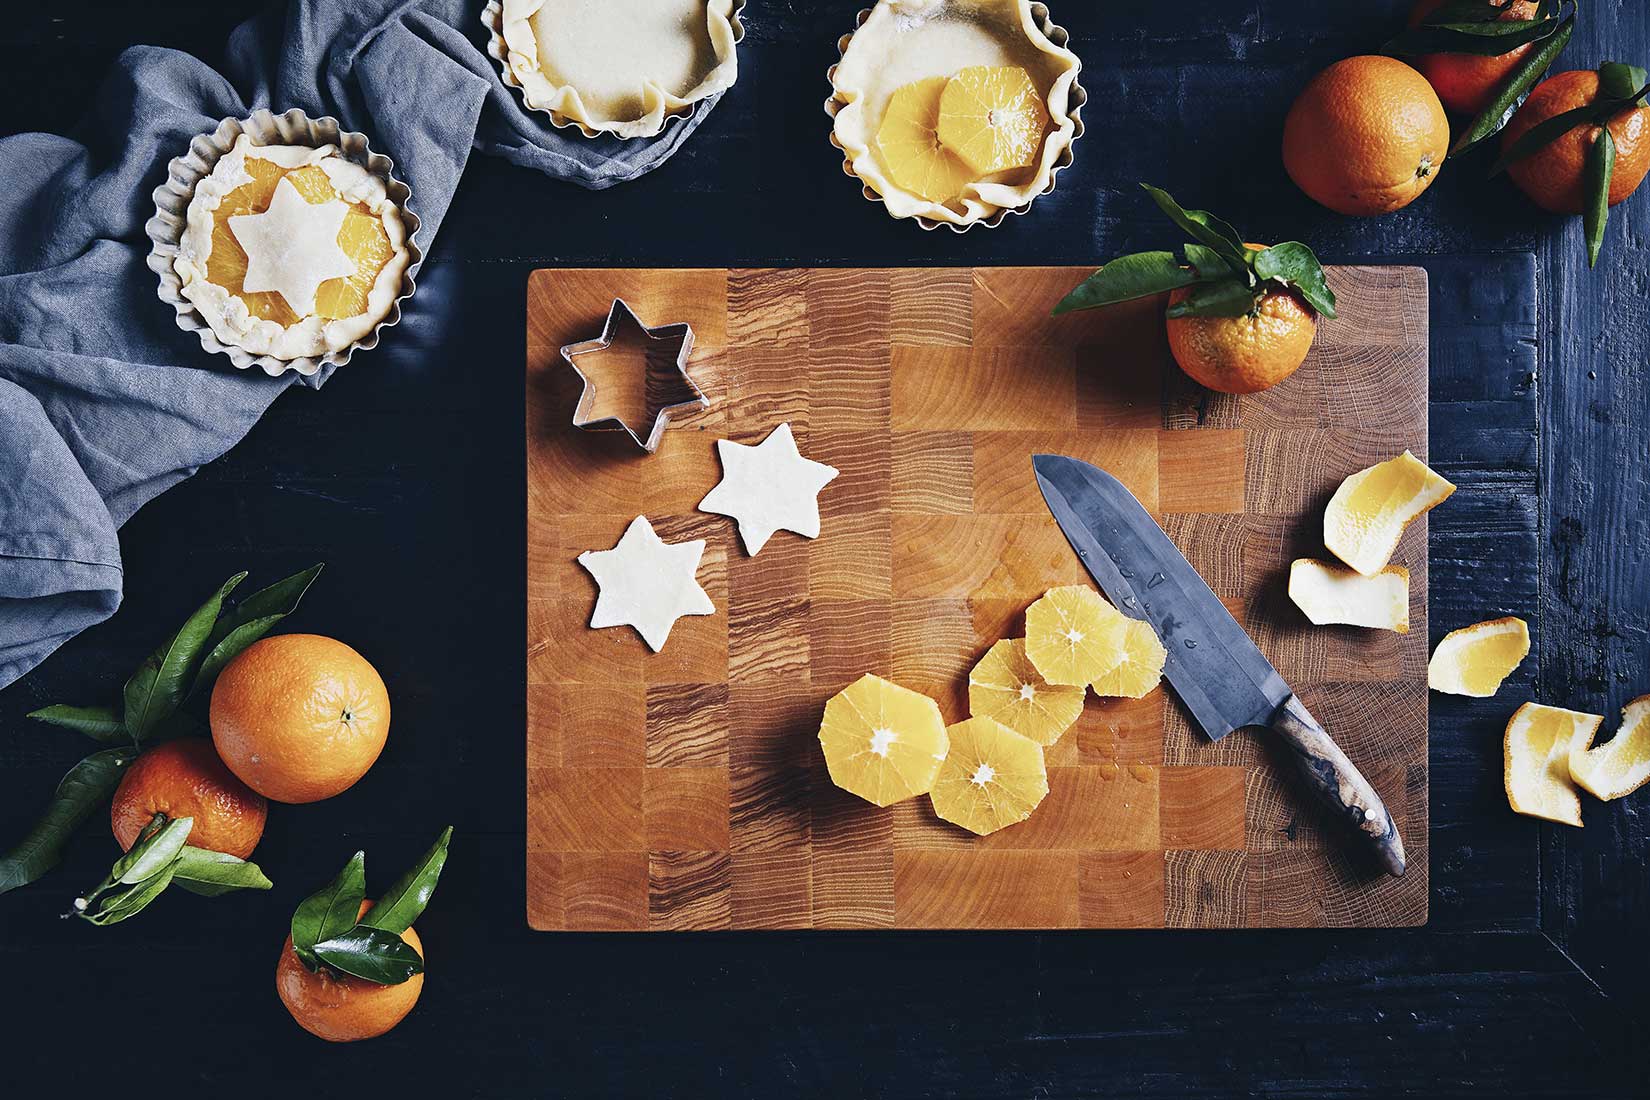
1339 784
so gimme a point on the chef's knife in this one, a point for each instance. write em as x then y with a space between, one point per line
1212 663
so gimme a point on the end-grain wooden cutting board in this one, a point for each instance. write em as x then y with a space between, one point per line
686 789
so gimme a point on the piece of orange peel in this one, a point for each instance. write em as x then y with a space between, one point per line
1369 512
1329 594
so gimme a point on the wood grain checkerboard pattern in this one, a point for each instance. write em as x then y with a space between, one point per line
686 789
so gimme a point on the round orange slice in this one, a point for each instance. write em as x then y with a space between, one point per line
1006 686
881 741
1140 670
992 777
910 143
1538 761
1368 513
993 117
1476 659
1621 765
1073 636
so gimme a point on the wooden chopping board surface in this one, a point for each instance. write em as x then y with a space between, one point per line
686 789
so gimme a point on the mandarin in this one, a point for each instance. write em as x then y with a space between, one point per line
338 1007
185 778
1553 176
1466 82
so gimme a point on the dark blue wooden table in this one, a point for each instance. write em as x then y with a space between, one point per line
405 476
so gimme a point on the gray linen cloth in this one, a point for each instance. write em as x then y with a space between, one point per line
104 402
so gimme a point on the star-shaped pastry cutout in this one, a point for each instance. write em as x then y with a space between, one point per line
769 487
292 247
647 583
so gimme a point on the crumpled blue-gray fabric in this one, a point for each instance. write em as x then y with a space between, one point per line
104 402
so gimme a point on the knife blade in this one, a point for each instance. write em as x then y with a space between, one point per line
1213 665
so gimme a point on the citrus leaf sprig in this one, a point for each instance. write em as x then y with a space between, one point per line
1227 277
326 931
161 857
1621 87
151 709
1476 27
1530 68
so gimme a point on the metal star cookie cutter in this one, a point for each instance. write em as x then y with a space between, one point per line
664 387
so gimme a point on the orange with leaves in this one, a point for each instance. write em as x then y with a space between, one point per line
185 778
1554 175
1466 82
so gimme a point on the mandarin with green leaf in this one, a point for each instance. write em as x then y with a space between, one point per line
338 1007
1248 353
1554 176
1466 82
185 778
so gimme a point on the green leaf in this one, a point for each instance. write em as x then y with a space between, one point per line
1227 298
1545 133
162 682
86 785
153 852
1294 264
1208 263
372 954
1620 81
1204 226
402 903
98 723
1530 68
1464 11
1483 39
1601 166
250 620
121 904
331 910
1125 278
208 873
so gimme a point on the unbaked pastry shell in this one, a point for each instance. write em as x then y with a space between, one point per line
514 45
862 80
170 221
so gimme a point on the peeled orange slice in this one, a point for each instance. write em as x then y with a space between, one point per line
1621 765
993 117
1073 636
910 143
1141 668
1476 659
1333 594
1005 685
1368 513
1538 761
991 778
881 741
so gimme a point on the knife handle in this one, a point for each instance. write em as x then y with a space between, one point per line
1339 784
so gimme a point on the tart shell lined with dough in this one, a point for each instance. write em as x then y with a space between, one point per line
227 313
902 41
579 83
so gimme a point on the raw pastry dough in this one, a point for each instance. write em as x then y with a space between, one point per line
769 487
903 41
647 583
619 66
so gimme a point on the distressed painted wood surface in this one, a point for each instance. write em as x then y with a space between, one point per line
685 790
406 476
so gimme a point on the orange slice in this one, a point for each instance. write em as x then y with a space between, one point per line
1621 765
362 238
1140 670
1368 513
1073 636
1005 685
992 777
881 741
1333 594
910 143
1476 659
1538 761
993 117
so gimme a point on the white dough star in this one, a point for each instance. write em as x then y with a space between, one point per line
647 583
292 247
769 487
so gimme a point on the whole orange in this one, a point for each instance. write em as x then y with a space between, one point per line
1244 354
340 1008
1466 82
185 778
1553 176
1367 136
299 717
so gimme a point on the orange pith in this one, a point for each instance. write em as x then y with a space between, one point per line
1553 175
1466 82
299 717
362 238
185 778
1367 136
340 1008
